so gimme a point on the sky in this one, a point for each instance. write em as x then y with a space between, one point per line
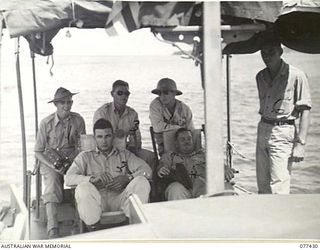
97 42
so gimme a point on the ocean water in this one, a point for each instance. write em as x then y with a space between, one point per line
93 76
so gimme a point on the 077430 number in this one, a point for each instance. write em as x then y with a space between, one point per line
310 245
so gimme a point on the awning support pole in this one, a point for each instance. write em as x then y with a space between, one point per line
1 27
23 130
36 167
213 98
229 148
28 204
34 90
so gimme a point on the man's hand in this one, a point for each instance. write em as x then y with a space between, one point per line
119 183
182 122
163 171
229 173
61 171
297 153
101 180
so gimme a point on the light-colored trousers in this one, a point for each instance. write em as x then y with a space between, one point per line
91 202
176 191
274 148
53 194
53 183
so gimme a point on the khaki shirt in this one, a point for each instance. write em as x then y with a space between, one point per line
162 120
126 121
285 96
65 135
89 163
195 163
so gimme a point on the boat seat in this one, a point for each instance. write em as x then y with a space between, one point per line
107 220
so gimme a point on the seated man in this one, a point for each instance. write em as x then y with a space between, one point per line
106 177
166 112
184 170
125 122
58 137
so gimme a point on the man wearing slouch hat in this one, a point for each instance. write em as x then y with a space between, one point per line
58 136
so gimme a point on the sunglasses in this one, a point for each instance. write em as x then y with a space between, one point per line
120 93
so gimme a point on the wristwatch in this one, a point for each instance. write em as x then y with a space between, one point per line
300 141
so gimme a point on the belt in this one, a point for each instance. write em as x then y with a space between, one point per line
277 123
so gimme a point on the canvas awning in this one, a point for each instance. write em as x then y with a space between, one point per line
295 23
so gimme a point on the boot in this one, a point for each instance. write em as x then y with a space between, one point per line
52 220
53 233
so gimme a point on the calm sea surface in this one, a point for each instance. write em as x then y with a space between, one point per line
93 76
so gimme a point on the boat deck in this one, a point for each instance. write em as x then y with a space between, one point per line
245 217
67 221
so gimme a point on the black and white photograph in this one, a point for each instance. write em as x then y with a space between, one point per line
155 121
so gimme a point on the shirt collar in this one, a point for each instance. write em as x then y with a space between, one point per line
284 68
114 150
194 152
57 120
177 104
116 111
283 72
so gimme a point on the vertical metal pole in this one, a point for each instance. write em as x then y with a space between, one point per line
36 170
1 27
23 130
229 149
213 98
34 90
28 188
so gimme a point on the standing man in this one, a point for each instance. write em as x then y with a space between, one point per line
166 112
106 177
125 122
58 137
285 105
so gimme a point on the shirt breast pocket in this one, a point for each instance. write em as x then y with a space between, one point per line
283 105
51 137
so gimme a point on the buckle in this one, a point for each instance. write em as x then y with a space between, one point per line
277 123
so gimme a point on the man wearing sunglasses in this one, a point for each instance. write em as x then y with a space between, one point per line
284 100
125 122
166 112
59 134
